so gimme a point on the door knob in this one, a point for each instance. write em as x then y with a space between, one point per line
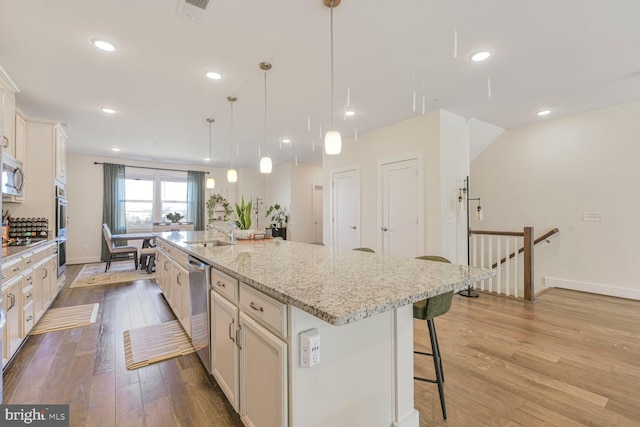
385 229
353 228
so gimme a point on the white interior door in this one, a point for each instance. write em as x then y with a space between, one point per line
346 209
401 230
317 213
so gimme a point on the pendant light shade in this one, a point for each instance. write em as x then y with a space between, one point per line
211 183
332 139
265 164
332 142
232 175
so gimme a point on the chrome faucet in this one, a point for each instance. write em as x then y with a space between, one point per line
229 233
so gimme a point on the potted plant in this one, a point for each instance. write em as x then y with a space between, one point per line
214 213
278 220
243 221
174 217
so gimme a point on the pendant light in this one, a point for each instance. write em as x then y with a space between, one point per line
265 161
332 139
211 183
232 174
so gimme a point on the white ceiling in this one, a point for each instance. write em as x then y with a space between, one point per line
569 56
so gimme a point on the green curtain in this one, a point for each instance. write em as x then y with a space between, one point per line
195 199
113 203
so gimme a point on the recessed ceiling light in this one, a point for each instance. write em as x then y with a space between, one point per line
206 159
543 112
115 149
480 56
349 113
103 45
286 140
108 110
213 75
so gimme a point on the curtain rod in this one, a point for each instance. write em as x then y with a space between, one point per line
147 167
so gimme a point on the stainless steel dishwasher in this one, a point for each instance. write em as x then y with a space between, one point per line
199 286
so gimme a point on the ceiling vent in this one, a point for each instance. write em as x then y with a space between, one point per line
195 10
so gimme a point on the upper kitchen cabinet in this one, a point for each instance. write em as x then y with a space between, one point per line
61 155
8 91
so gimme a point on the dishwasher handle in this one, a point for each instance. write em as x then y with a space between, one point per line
196 265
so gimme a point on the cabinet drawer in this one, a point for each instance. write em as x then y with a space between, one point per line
11 269
28 260
28 318
266 310
173 252
225 285
27 293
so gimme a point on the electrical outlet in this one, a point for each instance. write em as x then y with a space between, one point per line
309 348
593 216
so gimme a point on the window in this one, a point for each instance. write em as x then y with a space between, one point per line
150 196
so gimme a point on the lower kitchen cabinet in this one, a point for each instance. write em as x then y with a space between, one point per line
12 304
263 375
173 278
224 351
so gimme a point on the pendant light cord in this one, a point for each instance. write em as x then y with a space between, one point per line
264 137
210 158
231 135
332 110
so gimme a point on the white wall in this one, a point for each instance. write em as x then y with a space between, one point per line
303 177
441 137
85 193
547 174
291 186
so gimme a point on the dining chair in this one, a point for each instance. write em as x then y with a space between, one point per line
428 310
116 252
148 258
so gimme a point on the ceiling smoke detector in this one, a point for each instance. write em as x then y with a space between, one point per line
195 10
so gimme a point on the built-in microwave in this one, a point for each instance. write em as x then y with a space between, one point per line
12 176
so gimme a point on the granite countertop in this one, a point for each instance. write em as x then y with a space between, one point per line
338 286
11 251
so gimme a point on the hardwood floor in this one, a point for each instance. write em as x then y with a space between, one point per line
85 367
571 359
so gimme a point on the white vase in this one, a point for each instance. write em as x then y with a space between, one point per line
243 234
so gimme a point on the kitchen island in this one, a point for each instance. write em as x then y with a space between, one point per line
360 305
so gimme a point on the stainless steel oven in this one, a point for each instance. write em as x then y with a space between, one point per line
61 211
62 255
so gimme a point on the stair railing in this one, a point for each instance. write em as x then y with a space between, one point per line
504 247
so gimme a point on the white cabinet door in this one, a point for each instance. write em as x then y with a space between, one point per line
8 117
12 302
224 351
61 155
179 279
263 376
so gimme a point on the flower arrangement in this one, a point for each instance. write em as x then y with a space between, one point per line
277 216
174 217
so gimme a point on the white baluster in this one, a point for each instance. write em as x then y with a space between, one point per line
490 262
507 275
499 266
515 267
482 261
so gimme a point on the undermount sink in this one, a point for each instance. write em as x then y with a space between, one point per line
207 243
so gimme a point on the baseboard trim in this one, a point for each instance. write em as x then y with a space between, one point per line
594 288
86 260
410 420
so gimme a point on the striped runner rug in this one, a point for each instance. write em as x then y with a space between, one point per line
155 343
57 319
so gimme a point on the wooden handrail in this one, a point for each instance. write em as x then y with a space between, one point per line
535 242
498 233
